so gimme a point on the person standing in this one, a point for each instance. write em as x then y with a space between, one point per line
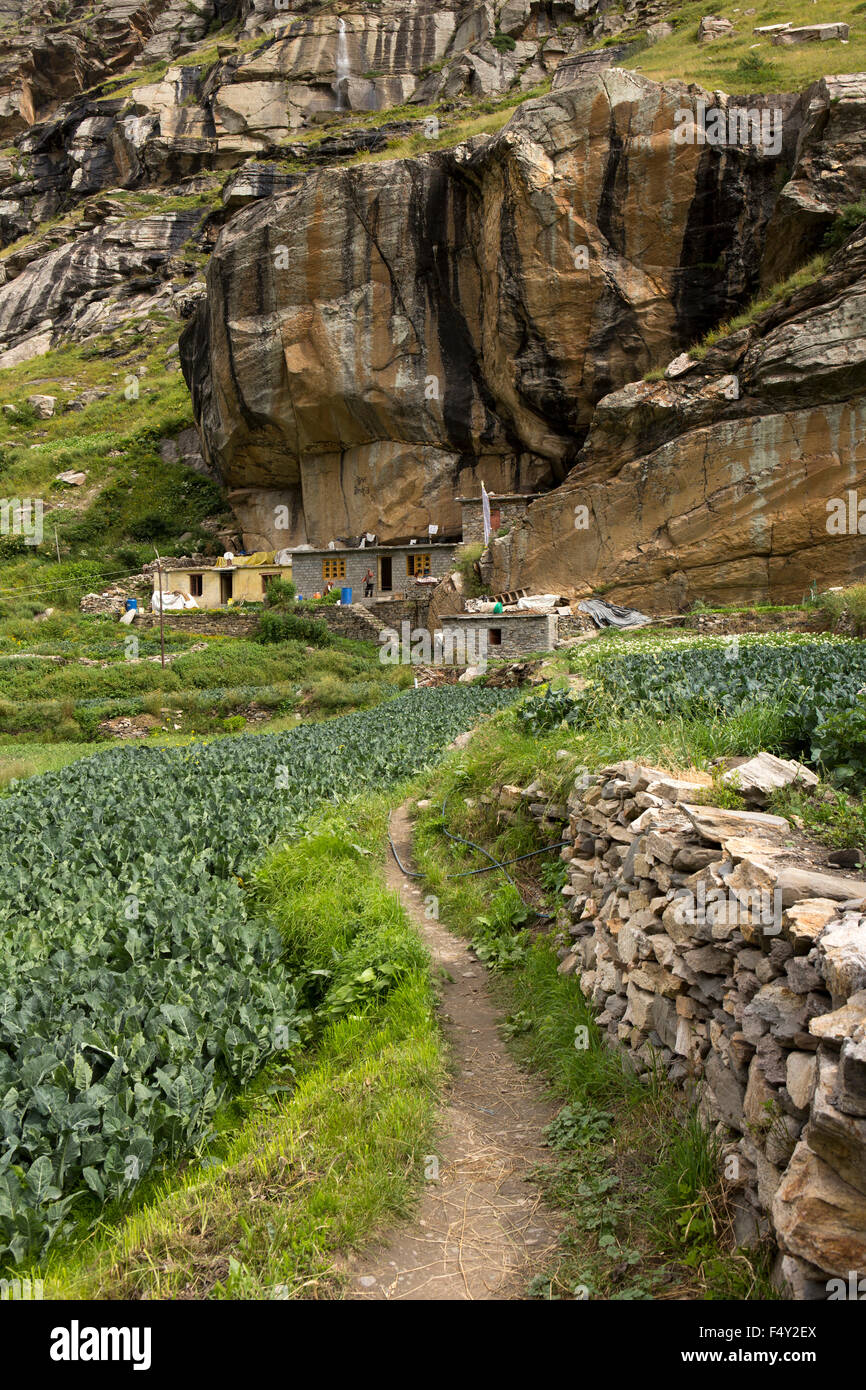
368 584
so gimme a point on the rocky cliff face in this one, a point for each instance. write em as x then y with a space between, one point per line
221 101
378 335
731 481
380 338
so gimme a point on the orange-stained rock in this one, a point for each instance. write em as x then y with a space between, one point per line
435 322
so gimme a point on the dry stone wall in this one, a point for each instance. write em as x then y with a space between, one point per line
216 623
710 951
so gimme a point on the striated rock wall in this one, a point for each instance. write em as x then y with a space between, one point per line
725 480
381 338
269 73
710 951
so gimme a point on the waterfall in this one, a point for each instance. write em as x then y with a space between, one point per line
343 69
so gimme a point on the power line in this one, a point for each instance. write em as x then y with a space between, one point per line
72 584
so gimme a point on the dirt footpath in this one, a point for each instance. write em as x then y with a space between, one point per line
480 1231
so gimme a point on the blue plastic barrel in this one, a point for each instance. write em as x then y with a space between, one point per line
345 596
132 603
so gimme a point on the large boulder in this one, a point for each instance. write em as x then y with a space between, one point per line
381 337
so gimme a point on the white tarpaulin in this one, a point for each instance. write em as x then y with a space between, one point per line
546 602
172 601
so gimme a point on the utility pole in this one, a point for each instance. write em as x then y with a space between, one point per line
161 620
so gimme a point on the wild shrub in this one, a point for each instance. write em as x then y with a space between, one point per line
281 627
281 593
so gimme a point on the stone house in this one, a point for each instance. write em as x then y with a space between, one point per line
397 569
470 637
505 509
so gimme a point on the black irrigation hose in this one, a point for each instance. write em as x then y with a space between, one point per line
470 873
458 839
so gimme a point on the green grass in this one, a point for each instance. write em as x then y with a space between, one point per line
94 678
826 814
806 275
308 1166
845 607
131 498
699 608
486 118
730 64
19 760
465 562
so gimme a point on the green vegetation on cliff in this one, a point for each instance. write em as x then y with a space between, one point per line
747 62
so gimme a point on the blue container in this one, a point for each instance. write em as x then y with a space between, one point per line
345 596
132 603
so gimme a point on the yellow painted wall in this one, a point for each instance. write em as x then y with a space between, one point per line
246 583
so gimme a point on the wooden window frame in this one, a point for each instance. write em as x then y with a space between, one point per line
333 569
412 566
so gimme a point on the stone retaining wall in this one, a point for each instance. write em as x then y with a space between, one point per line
394 611
353 621
218 622
573 625
708 949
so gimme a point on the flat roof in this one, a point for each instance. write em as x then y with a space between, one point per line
217 569
509 617
374 549
503 497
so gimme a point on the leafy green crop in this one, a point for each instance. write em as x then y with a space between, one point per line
807 679
839 742
136 987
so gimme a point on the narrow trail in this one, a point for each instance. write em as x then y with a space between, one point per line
481 1231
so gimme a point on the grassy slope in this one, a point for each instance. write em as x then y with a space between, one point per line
66 700
719 65
130 498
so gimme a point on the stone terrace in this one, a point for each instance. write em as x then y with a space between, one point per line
710 947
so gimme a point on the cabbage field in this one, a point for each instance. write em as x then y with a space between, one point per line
808 680
136 986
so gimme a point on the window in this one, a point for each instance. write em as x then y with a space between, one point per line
417 564
266 579
494 636
334 569
195 585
